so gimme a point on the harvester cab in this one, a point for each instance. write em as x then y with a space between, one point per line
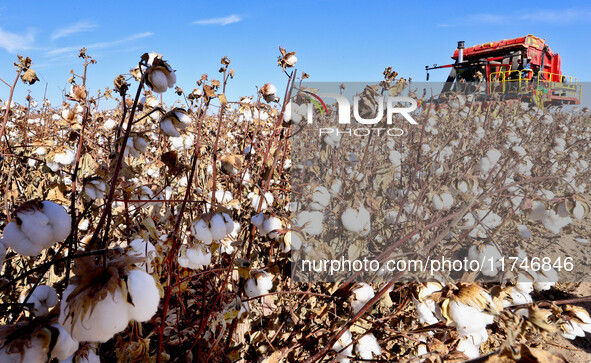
523 69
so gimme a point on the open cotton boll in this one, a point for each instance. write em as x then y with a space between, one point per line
258 220
142 248
217 227
523 231
36 351
271 224
59 220
343 347
553 222
357 220
168 128
158 81
368 346
65 157
320 198
95 189
537 211
200 230
260 283
194 257
43 297
310 222
256 200
144 294
361 295
490 257
545 279
109 317
65 345
443 201
467 347
395 158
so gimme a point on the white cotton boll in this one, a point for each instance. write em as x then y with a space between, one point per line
260 284
35 225
184 118
41 151
66 157
194 257
201 232
395 158
36 351
110 124
320 198
337 186
467 319
442 202
523 232
109 317
217 227
168 128
43 297
159 81
59 220
343 354
392 215
142 248
18 241
484 165
489 255
546 279
361 296
256 200
144 295
525 281
537 211
571 330
357 220
332 139
310 222
258 220
470 349
368 346
270 225
553 222
65 345
518 297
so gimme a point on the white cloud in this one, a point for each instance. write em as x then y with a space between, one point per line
560 17
101 45
219 21
13 42
79 27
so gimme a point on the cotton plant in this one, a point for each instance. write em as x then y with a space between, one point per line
95 188
310 222
212 227
320 198
263 201
43 299
360 295
424 305
357 220
344 347
174 121
443 201
37 341
490 257
259 283
489 161
145 250
136 146
368 347
194 256
267 225
159 75
37 226
63 157
468 308
101 300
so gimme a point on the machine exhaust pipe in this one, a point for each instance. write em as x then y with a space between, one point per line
460 51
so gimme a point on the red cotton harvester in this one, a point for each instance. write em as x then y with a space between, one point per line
523 69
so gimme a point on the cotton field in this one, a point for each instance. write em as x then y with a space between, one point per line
155 232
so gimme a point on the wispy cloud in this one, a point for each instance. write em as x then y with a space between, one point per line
100 45
13 42
79 27
564 17
220 21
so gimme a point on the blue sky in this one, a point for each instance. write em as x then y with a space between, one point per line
334 40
